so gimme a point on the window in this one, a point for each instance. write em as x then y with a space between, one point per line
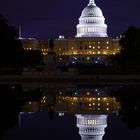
99 52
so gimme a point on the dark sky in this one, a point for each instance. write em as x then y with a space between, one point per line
44 19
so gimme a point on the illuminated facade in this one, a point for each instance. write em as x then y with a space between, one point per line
91 22
91 43
91 109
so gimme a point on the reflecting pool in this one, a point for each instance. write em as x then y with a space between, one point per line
79 112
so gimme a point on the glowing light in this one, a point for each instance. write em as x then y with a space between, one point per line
75 53
90 99
99 52
44 97
104 52
90 46
88 58
75 98
88 93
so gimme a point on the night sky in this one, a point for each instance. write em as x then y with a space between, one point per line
44 19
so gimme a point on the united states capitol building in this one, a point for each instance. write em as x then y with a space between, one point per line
90 44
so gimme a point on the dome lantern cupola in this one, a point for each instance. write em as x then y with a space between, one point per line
91 22
91 2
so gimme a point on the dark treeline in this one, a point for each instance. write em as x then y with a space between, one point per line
128 59
12 56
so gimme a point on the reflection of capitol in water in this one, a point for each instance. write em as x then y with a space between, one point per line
91 109
90 106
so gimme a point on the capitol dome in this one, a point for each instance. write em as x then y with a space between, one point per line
92 11
91 22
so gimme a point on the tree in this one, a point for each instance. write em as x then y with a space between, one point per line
130 44
129 56
10 46
12 56
11 51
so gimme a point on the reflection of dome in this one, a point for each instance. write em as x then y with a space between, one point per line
91 127
91 22
91 107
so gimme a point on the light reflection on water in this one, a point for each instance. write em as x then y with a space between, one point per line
72 113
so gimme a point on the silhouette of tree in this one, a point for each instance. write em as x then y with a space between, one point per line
130 50
11 51
12 56
130 43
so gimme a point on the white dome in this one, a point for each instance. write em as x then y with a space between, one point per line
91 22
91 11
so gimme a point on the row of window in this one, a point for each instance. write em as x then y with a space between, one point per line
91 122
84 48
91 30
87 53
91 21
